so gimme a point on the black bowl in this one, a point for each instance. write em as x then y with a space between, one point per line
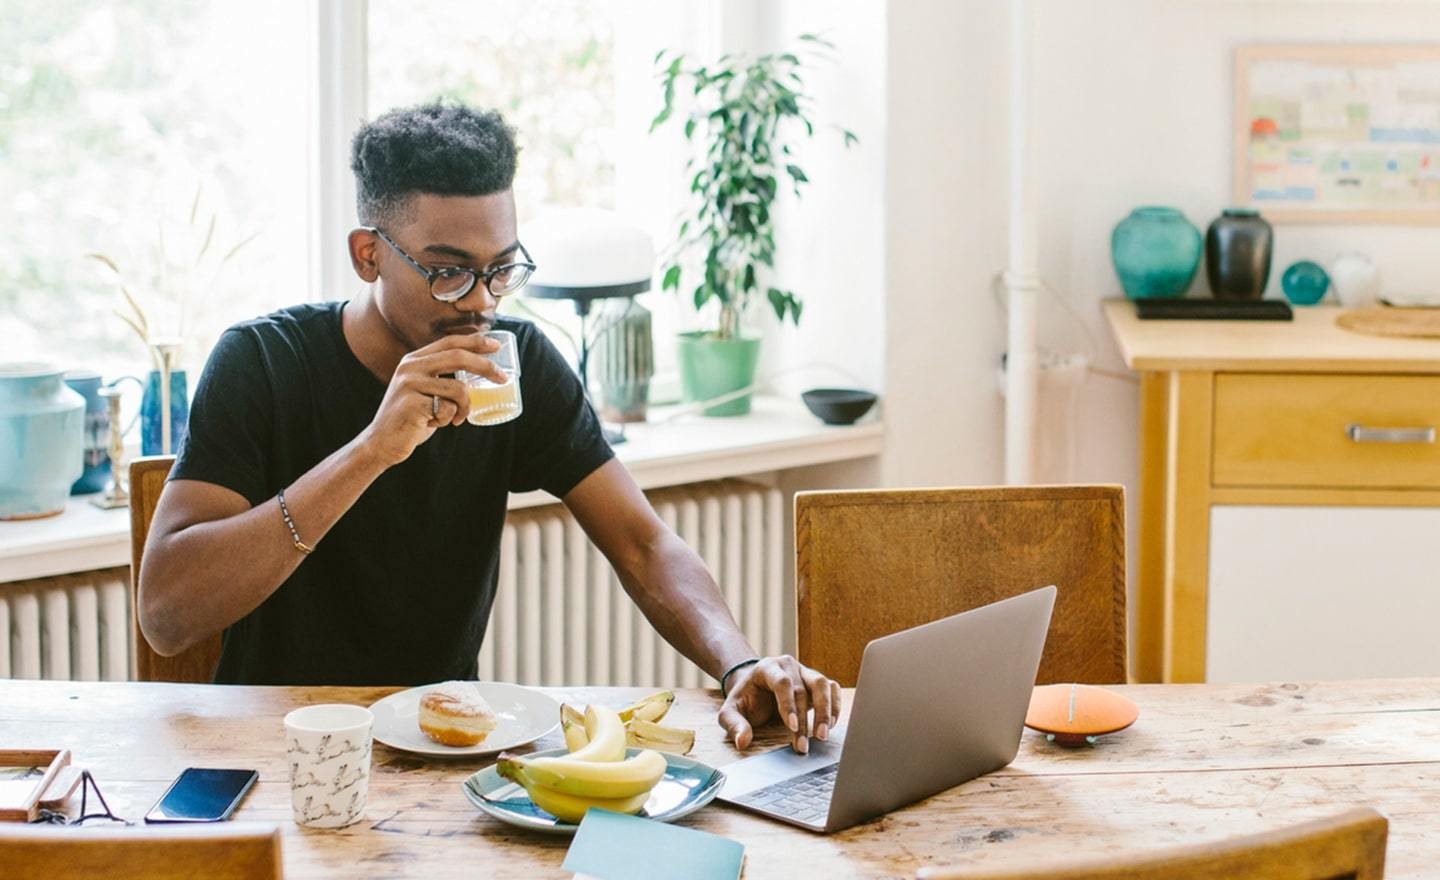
838 406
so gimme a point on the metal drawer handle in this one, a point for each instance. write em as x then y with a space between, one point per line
1362 434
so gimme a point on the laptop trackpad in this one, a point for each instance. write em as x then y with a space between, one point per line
757 771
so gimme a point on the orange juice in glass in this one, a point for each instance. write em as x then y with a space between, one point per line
495 403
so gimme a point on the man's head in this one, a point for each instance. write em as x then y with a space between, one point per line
435 179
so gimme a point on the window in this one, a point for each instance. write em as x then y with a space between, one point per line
576 80
112 118
547 66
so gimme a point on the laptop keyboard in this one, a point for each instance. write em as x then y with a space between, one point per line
805 797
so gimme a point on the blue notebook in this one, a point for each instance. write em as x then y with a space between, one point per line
613 846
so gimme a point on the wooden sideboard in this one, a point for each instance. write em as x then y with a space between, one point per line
1263 414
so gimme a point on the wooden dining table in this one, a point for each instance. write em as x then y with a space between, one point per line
1203 762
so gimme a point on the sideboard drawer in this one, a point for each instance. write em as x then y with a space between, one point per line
1342 431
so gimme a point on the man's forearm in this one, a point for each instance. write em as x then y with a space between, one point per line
680 598
237 562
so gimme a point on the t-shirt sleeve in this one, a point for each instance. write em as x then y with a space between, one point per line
230 419
559 442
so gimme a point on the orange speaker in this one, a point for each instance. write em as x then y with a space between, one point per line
1074 714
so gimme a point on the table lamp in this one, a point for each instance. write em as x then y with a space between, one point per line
588 254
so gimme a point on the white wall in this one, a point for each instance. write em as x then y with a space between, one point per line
1134 102
1133 106
945 235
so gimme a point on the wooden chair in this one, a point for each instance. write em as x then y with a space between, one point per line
1350 846
220 852
873 562
147 478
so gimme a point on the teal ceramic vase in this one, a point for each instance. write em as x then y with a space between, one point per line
42 440
1156 252
711 367
1305 283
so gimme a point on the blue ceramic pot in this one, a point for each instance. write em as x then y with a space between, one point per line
1156 252
1305 283
150 423
96 456
42 435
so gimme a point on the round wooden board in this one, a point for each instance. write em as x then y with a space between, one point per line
1391 321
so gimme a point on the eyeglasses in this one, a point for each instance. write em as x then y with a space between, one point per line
87 784
449 284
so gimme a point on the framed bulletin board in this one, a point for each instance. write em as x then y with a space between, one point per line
1338 134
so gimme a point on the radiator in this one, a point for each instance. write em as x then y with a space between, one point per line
562 617
74 627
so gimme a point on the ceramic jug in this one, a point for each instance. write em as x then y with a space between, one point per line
42 438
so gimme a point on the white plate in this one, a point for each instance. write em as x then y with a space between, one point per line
523 716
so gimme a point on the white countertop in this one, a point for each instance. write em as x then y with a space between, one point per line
778 434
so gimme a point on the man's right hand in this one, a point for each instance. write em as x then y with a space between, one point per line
409 415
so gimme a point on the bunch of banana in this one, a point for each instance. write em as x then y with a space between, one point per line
596 775
642 730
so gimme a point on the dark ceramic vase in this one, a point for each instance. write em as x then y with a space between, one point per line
1238 247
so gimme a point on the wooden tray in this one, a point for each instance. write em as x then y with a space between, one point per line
30 778
1392 321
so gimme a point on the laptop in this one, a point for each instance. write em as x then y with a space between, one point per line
934 706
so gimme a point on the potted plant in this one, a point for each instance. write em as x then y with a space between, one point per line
747 114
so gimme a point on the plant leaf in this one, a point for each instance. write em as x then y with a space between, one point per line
133 326
101 258
236 249
209 237
672 278
795 172
777 302
144 327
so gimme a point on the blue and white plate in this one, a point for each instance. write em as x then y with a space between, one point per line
687 786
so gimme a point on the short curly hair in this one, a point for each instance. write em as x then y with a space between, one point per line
440 148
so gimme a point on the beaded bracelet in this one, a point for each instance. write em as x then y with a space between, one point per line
285 512
731 671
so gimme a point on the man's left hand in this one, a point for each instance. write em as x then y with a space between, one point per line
780 687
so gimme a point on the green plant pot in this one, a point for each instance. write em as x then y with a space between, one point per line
710 367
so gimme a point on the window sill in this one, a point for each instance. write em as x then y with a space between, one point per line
777 435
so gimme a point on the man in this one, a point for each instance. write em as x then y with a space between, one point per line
339 428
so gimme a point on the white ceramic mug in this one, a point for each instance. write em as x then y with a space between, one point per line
328 747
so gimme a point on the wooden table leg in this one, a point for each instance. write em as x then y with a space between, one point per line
1187 524
1148 640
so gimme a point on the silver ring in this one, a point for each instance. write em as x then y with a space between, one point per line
435 406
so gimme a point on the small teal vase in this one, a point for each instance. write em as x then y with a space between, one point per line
150 423
42 437
1156 252
1305 283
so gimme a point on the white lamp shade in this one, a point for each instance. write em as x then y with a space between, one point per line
587 247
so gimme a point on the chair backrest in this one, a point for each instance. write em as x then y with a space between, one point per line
873 562
147 479
1350 846
232 851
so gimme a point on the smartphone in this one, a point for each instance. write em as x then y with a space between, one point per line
202 795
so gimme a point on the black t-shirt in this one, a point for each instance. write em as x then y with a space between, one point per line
399 591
